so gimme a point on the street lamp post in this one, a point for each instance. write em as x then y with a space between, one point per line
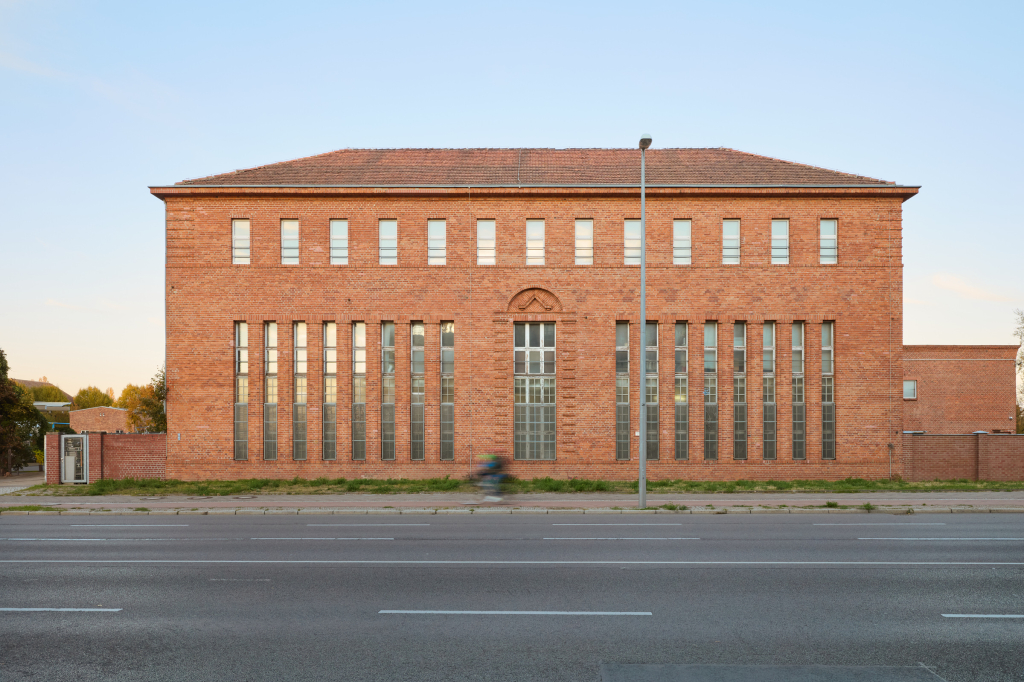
645 142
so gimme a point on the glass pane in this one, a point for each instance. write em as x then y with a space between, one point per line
910 390
359 334
388 361
339 229
448 334
798 335
828 228
826 335
739 335
330 334
549 335
300 334
436 230
826 362
241 334
769 334
520 335
289 229
680 333
730 228
652 361
681 361
534 335
739 358
417 334
652 334
388 334
622 361
710 334
485 232
769 361
798 361
388 230
710 361
621 334
780 228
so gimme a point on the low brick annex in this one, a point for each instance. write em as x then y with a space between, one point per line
282 216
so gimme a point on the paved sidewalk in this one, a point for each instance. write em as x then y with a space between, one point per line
20 481
446 503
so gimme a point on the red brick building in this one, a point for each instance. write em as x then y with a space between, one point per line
959 389
388 313
96 419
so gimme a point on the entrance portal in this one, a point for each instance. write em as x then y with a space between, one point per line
74 467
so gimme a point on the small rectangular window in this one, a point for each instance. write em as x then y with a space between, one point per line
339 242
681 250
417 391
241 403
289 242
780 242
829 241
768 346
388 235
437 251
710 347
270 391
359 391
798 348
330 406
730 242
682 414
910 389
584 242
631 242
240 242
486 244
535 242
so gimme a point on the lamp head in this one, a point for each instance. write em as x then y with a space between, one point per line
645 141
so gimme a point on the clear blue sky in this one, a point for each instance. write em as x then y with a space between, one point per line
100 100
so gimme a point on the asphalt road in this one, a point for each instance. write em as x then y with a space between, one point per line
569 597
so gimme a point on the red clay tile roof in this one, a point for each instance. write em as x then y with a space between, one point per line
534 167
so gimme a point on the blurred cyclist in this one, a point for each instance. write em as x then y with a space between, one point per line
489 474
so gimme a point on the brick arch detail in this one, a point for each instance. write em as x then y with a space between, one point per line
534 300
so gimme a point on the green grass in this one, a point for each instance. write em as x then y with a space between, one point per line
29 507
323 485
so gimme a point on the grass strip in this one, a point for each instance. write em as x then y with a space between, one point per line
300 486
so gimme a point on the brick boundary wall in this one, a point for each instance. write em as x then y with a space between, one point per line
115 456
976 457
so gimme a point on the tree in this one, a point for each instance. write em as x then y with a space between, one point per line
92 397
133 401
49 394
1019 333
154 402
22 426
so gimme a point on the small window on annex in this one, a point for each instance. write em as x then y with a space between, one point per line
339 242
584 242
240 242
388 235
485 242
910 389
631 242
780 242
681 248
437 250
289 242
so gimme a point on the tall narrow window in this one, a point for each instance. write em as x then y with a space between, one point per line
534 364
289 242
828 391
240 242
730 242
241 420
359 391
622 390
739 390
339 242
631 242
829 241
651 388
447 390
486 242
417 393
584 242
780 242
682 397
387 390
388 236
330 409
768 423
270 390
299 406
710 390
799 407
535 242
437 248
681 250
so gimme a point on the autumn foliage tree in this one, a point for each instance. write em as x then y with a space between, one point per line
22 426
90 396
145 405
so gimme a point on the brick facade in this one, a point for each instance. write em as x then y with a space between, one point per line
961 389
975 457
206 294
96 419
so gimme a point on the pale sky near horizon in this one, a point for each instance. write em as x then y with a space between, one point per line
103 99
